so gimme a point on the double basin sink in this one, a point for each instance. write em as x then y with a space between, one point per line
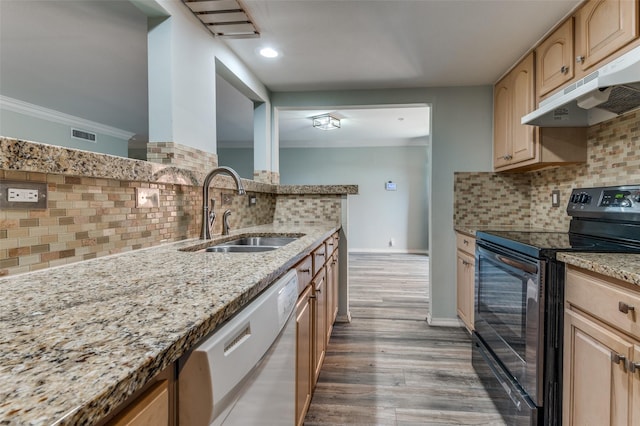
251 244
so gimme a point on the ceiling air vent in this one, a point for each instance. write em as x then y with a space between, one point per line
224 18
83 135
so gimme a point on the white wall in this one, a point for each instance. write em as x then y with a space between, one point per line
21 126
193 51
376 215
461 141
239 159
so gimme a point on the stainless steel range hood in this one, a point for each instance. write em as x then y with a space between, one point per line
605 93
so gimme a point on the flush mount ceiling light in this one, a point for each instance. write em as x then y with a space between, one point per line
268 52
326 122
224 18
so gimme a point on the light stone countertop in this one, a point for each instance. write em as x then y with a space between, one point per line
623 266
77 340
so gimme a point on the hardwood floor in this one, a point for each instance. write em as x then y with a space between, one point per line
388 366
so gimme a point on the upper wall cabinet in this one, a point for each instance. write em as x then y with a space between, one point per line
519 147
513 98
602 28
554 59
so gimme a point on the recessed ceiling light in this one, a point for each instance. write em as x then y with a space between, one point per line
268 52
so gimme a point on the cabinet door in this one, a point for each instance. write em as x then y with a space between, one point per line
502 123
150 409
603 27
523 102
319 314
304 366
554 59
465 288
635 390
595 382
330 298
335 285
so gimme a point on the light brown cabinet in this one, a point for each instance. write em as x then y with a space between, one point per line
518 146
465 271
150 409
602 28
316 311
319 315
601 351
513 142
554 59
304 359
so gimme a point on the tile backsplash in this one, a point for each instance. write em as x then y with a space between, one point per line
90 214
613 152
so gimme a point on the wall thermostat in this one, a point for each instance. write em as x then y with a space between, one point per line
390 186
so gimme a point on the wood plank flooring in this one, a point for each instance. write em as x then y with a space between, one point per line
388 366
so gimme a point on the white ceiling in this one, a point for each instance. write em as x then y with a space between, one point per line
88 57
363 44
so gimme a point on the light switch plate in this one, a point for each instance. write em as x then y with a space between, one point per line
226 198
147 197
21 195
555 198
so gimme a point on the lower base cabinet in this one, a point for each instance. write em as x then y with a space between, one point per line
601 366
303 355
151 408
316 312
319 314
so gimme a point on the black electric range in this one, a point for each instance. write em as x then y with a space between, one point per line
520 295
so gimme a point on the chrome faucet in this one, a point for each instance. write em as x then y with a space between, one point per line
225 222
207 219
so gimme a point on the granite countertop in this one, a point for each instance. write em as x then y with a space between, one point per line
623 266
77 340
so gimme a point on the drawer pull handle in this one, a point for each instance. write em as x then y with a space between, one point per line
624 308
617 358
305 270
320 254
634 366
466 243
465 263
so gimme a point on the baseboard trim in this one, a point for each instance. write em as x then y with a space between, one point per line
402 251
444 322
344 318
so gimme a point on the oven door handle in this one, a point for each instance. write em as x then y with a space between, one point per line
526 267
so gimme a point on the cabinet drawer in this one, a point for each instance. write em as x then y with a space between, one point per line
319 257
303 269
466 243
603 299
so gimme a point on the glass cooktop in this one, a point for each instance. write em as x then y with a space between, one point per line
540 243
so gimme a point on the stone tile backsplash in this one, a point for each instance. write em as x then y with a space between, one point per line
89 215
613 151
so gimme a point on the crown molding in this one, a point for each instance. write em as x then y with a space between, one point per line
36 111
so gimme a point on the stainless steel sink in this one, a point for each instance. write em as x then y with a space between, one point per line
251 244
239 249
260 241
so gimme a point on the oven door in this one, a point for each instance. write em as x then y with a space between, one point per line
509 312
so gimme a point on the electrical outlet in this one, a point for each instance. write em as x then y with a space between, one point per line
555 198
252 200
18 195
23 195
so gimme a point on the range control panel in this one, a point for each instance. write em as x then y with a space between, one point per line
593 202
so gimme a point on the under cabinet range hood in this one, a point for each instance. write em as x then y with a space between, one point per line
605 93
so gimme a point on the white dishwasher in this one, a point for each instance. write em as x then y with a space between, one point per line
244 373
